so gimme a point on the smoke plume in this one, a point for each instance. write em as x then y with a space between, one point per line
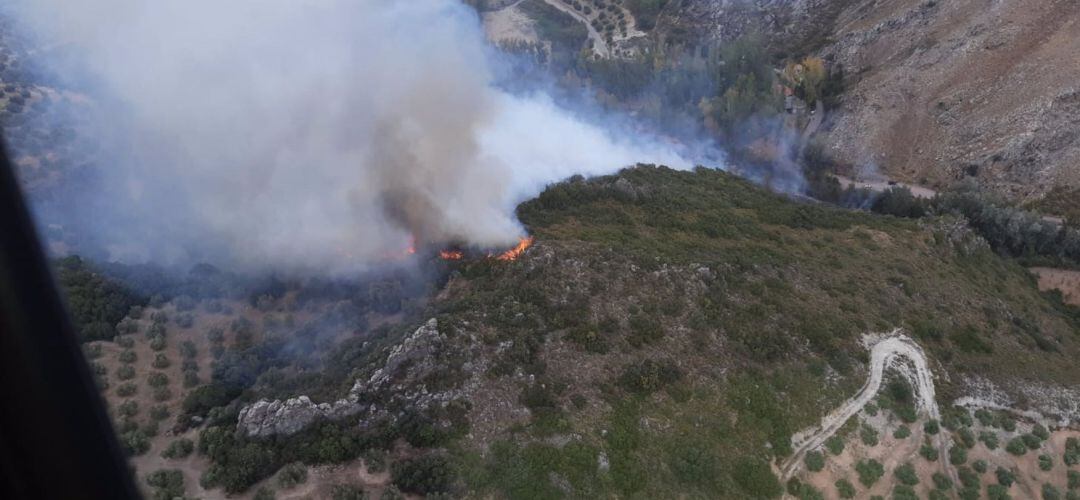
305 134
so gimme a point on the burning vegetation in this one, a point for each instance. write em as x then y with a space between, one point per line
509 255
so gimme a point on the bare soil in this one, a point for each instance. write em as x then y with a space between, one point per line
1065 280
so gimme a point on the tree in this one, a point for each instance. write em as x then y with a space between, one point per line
906 474
845 489
1005 477
815 461
942 482
179 448
168 484
957 455
425 474
835 445
869 471
292 475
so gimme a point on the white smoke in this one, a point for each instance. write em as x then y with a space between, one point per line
310 134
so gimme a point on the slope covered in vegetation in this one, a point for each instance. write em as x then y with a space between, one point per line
665 335
677 327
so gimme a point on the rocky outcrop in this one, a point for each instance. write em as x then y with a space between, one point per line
399 379
267 418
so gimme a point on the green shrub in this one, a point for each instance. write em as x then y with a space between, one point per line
906 474
985 417
1074 479
158 343
1046 462
815 461
929 452
134 442
1005 477
216 335
179 448
997 492
127 356
901 432
347 492
1040 432
904 492
161 361
125 372
157 379
125 341
127 326
92 351
264 493
990 439
755 478
188 350
869 435
966 437
185 320
168 484
931 427
957 455
649 376
127 390
161 394
845 489
1072 452
150 428
191 379
937 495
967 478
1016 446
426 474
1006 422
292 475
835 445
979 466
159 412
1050 492
156 330
391 493
128 408
942 482
869 471
956 417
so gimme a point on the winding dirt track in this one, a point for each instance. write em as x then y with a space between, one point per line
886 351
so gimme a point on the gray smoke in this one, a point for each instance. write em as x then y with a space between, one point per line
309 134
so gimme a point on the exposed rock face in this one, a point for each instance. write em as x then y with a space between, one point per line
783 22
406 364
940 91
266 418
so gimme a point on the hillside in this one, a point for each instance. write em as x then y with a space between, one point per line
667 333
934 92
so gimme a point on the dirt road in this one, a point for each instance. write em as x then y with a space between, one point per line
886 351
600 45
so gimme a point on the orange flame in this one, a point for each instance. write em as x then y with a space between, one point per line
451 255
514 253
